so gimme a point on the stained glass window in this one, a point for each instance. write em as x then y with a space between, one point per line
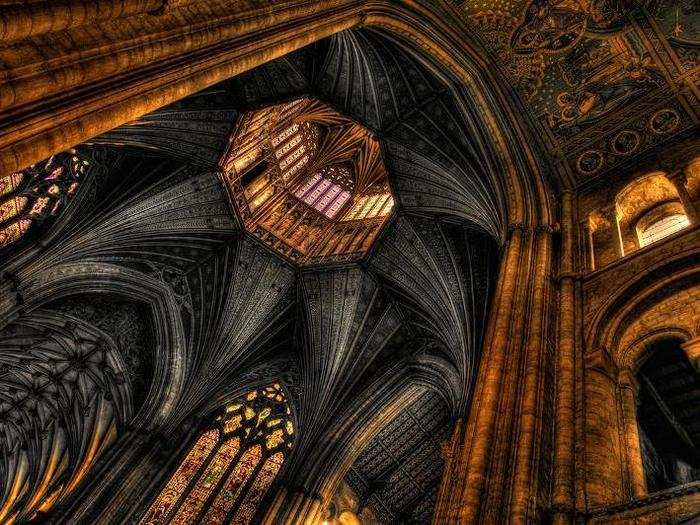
38 193
368 207
230 468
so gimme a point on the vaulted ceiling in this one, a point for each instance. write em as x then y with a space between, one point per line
579 66
152 225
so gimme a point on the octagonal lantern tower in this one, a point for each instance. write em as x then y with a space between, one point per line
308 182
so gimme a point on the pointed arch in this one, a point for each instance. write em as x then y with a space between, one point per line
232 464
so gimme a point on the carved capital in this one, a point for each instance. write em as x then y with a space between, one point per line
626 379
547 229
601 361
518 227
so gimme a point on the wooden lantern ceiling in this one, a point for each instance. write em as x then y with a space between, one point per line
308 182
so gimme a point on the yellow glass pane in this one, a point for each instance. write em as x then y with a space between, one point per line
264 414
161 507
206 483
232 424
10 182
274 439
12 208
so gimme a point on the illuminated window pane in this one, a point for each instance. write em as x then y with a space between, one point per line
178 482
206 483
294 169
10 183
329 196
11 208
289 159
333 210
663 228
285 135
303 190
246 511
13 232
370 207
281 152
319 190
233 487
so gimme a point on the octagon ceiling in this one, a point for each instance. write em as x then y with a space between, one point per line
308 182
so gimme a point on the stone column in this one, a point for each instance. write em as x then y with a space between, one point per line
603 456
468 486
529 425
494 467
692 350
635 467
24 21
115 73
563 490
679 180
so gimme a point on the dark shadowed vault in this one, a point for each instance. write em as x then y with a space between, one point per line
358 346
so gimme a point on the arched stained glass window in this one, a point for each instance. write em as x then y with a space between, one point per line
230 468
38 193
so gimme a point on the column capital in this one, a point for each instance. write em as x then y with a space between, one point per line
600 359
626 379
547 229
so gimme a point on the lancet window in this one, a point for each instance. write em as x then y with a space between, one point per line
38 193
226 474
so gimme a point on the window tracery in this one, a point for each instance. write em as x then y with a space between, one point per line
38 193
230 467
308 182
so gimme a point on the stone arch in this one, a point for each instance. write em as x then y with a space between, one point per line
437 32
639 294
63 280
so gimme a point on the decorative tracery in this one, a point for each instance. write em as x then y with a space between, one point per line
38 193
308 182
231 466
64 395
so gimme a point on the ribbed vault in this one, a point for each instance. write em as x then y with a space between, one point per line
356 345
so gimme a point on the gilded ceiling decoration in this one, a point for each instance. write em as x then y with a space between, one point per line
308 182
606 79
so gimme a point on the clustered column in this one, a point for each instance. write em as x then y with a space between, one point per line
493 472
